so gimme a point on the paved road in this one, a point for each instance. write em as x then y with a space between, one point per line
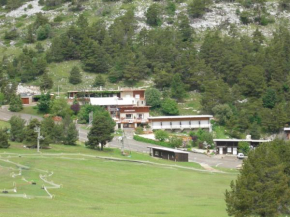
130 144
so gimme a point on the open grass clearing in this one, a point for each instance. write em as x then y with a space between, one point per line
98 187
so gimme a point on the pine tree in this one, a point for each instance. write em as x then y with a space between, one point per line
99 81
17 132
94 58
101 131
75 76
177 87
29 38
46 82
71 135
262 188
153 15
47 126
15 104
30 134
153 97
44 103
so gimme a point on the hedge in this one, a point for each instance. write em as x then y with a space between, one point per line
151 141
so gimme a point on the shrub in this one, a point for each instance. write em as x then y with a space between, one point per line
245 17
4 138
161 135
139 130
175 141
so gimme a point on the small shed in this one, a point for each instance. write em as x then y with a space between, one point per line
168 153
26 99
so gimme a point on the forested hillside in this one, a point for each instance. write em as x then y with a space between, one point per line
240 65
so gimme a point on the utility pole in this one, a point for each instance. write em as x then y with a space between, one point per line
121 139
37 130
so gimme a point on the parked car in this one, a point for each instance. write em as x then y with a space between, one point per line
240 156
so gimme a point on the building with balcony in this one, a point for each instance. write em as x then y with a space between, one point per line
126 106
181 122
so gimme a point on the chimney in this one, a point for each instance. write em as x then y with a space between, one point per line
248 137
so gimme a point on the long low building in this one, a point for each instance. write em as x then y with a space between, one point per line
168 153
230 146
181 122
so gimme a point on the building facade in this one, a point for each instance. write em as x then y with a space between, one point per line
181 122
126 106
230 146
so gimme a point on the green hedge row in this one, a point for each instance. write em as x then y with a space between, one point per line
151 141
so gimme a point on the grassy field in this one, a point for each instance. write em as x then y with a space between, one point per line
4 124
91 186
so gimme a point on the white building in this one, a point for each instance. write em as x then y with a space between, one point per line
181 122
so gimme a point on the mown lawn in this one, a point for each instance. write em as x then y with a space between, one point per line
4 124
100 187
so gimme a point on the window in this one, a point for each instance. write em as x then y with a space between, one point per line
128 116
142 102
156 153
229 149
140 116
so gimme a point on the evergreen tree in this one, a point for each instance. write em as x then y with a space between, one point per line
82 22
75 76
94 58
185 28
44 103
99 81
71 135
222 113
197 8
177 87
255 131
153 97
15 104
46 82
101 131
47 126
29 38
153 17
30 134
17 132
39 47
252 81
262 188
269 98
4 138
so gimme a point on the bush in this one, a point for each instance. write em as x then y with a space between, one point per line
175 141
245 17
139 130
4 138
151 141
161 135
15 104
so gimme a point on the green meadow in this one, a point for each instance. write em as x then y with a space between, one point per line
84 182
